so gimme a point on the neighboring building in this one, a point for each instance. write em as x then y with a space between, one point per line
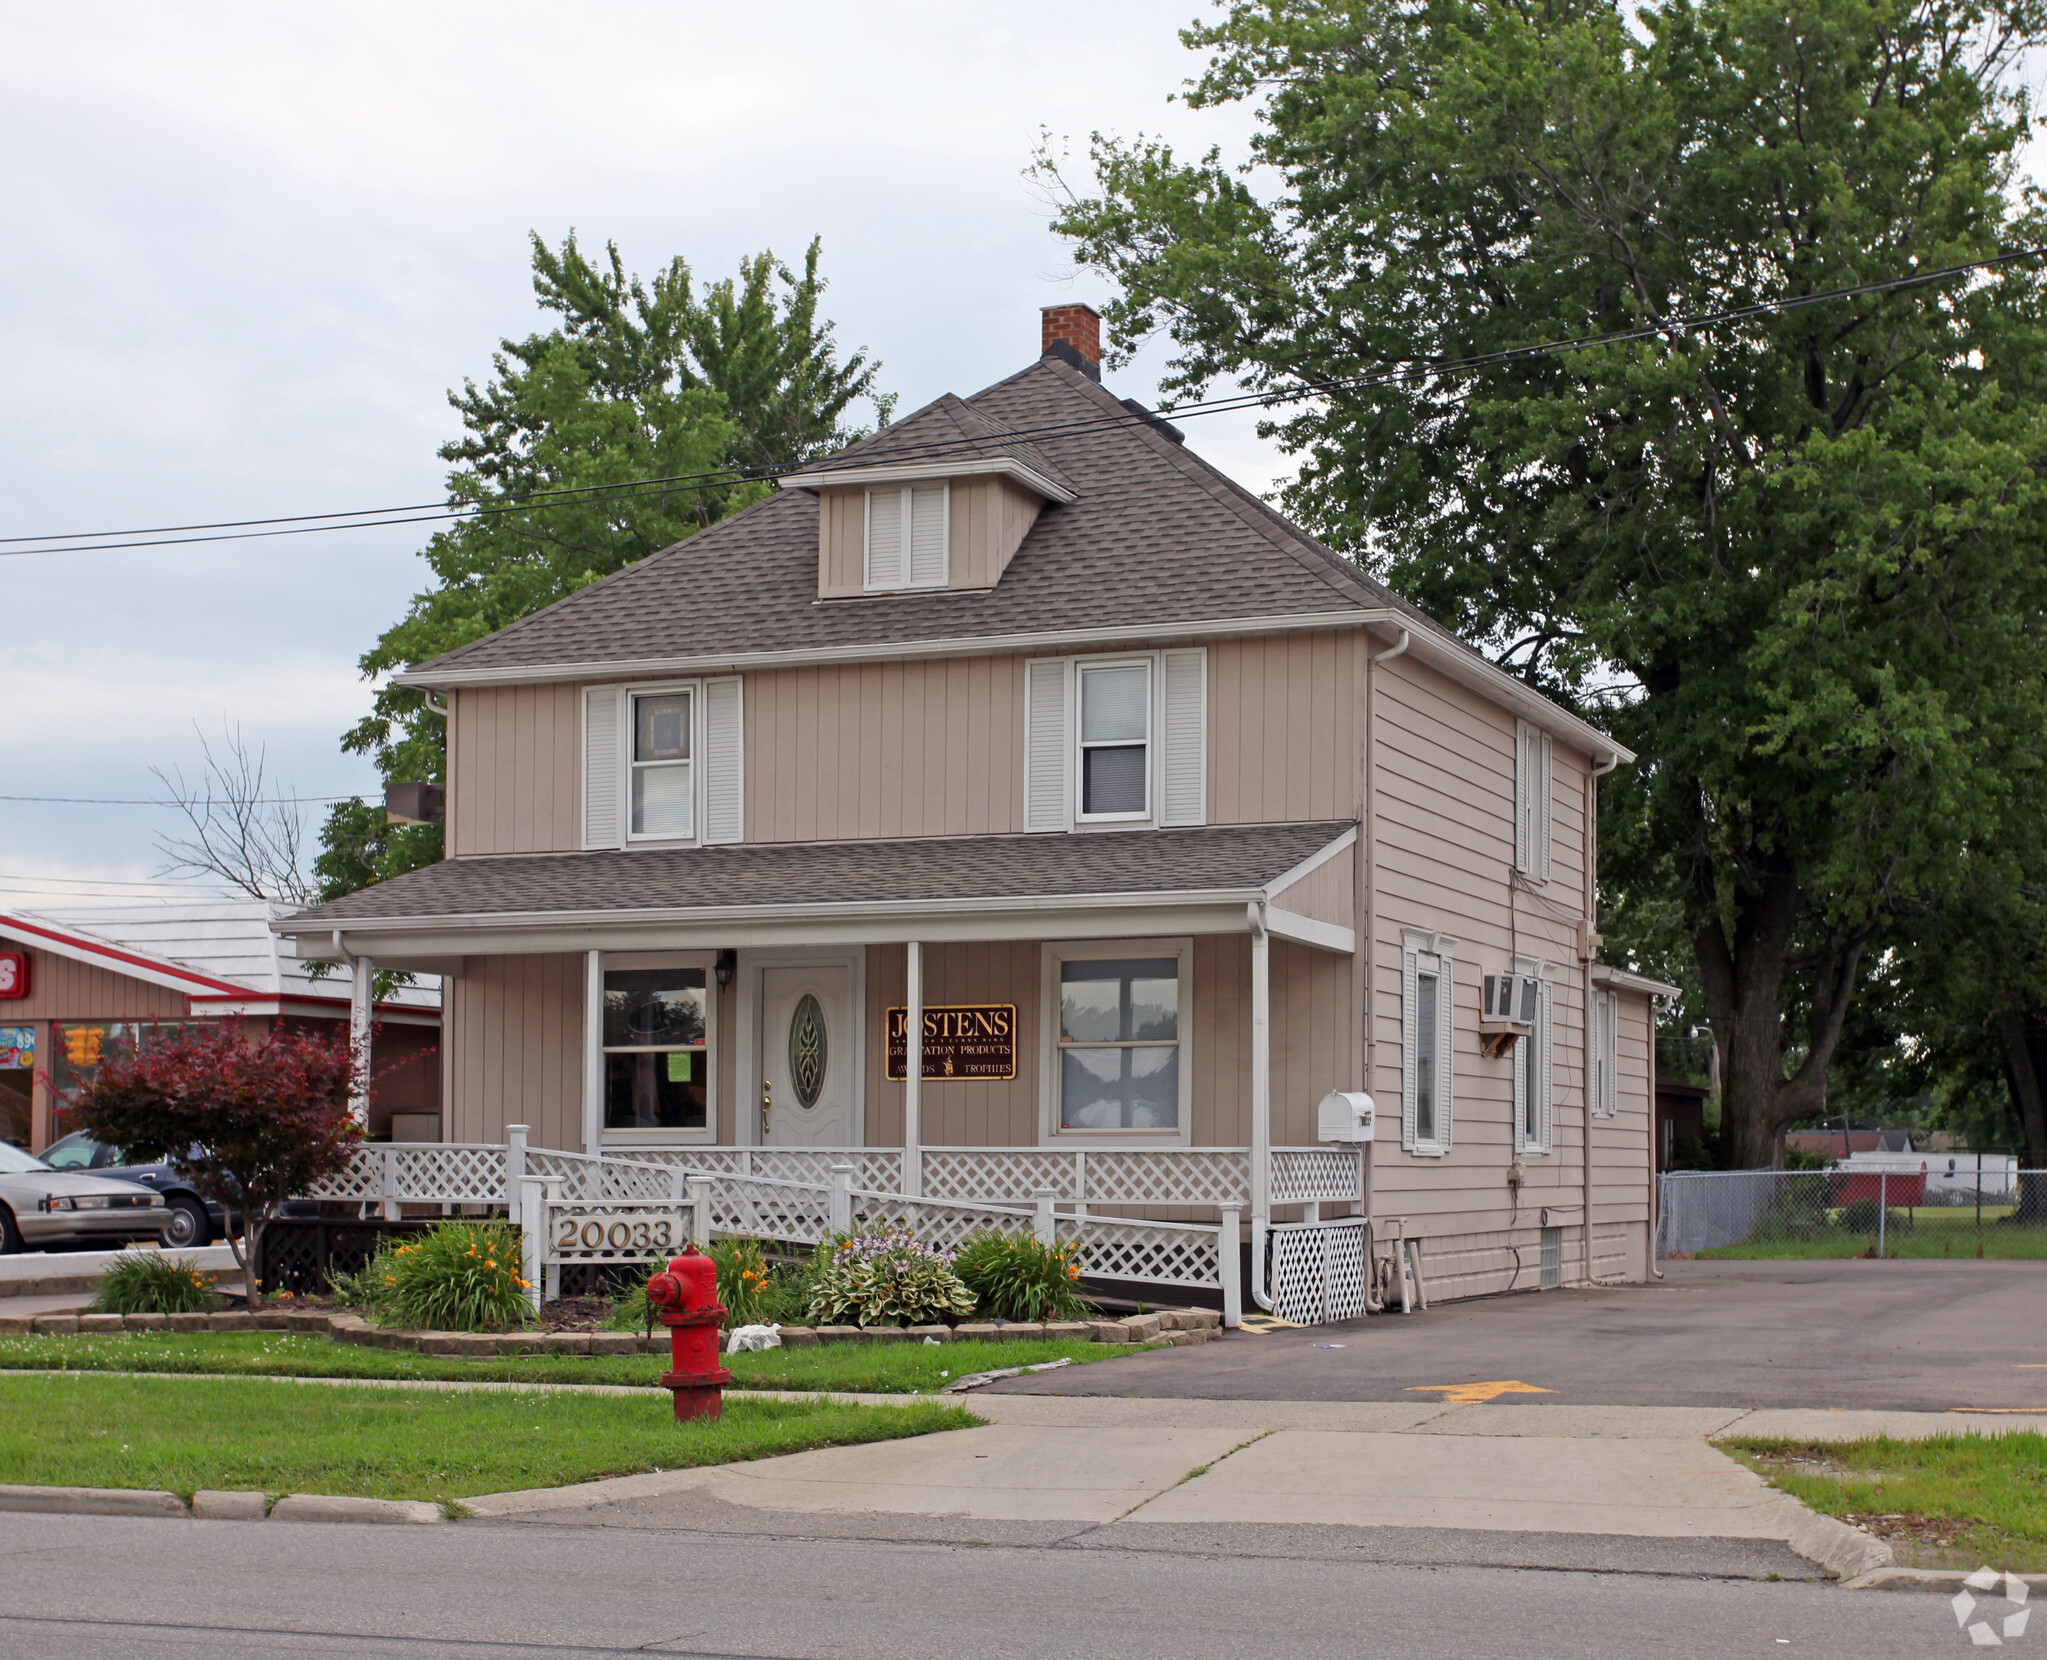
1680 1117
86 980
1022 718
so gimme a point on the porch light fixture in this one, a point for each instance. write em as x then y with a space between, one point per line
728 960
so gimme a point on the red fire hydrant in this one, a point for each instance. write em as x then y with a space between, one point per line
687 1296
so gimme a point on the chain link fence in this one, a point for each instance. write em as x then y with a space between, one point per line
1908 1206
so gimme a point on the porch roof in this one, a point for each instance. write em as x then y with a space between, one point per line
980 887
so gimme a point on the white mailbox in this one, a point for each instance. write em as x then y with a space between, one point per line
1345 1115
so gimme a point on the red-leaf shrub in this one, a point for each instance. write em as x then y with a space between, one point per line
250 1123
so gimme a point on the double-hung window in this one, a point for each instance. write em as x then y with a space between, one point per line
656 1060
1428 983
1606 1057
1534 1071
1115 741
662 793
1534 774
1120 1062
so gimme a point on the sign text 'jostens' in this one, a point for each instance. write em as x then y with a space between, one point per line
961 1041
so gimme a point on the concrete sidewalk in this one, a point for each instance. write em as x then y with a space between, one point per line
1623 1489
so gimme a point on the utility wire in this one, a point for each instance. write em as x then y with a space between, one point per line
232 530
151 801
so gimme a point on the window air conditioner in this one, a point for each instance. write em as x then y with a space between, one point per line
1509 1012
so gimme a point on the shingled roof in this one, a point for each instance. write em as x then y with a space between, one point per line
1227 859
1153 537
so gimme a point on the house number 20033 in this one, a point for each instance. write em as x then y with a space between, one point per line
655 1235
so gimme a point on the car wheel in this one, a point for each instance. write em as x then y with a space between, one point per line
10 1235
186 1226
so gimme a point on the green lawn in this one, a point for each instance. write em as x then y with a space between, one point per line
1957 1501
1945 1231
75 1429
858 1368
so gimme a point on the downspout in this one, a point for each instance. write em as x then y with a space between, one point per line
1261 1098
1591 903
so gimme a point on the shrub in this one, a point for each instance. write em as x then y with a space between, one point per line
148 1282
885 1278
743 1280
1016 1277
462 1276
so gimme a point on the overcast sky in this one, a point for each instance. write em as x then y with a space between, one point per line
249 248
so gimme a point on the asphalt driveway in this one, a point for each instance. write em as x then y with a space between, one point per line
1921 1336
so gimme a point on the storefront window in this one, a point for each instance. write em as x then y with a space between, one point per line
656 1065
17 1083
1119 1044
77 1049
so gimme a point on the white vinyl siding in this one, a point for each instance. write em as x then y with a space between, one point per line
1535 1074
1427 1046
1183 797
1606 1053
1046 749
908 537
603 792
724 760
1534 770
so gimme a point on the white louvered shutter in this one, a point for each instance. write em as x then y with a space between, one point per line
1524 797
603 764
1545 1069
929 535
1544 773
1048 747
1183 797
885 529
724 760
1606 1053
1407 1051
1446 1045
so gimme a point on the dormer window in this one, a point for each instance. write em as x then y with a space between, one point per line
909 537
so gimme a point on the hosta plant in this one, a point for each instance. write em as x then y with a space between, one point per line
148 1282
461 1276
1015 1277
886 1277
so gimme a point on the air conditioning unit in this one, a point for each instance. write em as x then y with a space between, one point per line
1509 1010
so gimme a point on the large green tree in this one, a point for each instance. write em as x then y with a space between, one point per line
638 381
1796 561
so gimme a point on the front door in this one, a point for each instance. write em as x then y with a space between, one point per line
806 1063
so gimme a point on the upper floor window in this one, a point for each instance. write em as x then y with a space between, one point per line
662 796
1428 979
1115 741
909 536
1533 766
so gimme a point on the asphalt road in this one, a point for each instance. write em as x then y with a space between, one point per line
1920 1336
101 1588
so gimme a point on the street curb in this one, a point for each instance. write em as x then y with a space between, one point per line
212 1506
1846 1552
1926 1579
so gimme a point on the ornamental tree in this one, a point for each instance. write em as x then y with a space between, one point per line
1797 559
251 1123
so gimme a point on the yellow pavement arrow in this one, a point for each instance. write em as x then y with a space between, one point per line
1477 1394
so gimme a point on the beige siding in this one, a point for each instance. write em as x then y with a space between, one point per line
989 518
1283 728
1316 1046
991 1113
63 989
885 749
515 770
514 1040
1326 894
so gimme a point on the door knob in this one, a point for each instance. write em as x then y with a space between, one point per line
767 1106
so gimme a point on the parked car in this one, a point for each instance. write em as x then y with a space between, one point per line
43 1209
192 1219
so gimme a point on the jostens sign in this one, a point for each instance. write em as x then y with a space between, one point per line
961 1041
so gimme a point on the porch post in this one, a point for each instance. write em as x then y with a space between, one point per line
1261 1072
913 1072
361 977
593 1051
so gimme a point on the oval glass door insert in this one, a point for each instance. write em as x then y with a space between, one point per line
807 1050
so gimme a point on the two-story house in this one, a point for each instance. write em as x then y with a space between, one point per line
1014 795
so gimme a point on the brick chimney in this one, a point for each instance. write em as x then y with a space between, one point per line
1074 332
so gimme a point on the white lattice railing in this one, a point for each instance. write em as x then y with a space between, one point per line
1321 1271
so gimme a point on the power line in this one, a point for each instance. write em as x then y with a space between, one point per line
231 530
150 801
94 881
